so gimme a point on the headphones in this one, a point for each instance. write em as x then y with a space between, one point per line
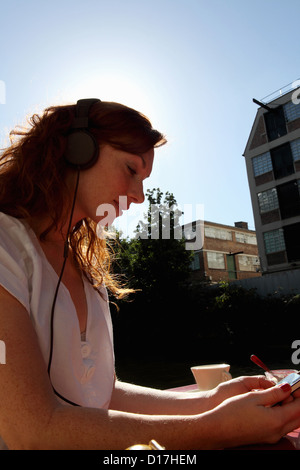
81 153
82 148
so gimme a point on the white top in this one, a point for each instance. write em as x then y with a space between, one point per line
81 371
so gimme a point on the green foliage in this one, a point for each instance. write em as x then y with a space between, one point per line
158 268
157 265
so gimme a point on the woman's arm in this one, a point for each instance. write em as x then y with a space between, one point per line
241 420
137 399
32 418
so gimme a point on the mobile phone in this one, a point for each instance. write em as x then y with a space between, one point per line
293 380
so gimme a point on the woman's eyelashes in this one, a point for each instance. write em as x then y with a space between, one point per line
132 171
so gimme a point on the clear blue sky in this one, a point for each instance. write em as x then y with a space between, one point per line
192 66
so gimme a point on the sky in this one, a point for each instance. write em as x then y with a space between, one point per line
192 66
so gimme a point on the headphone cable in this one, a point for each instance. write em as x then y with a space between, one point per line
65 255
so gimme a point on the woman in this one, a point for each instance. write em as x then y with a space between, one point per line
58 180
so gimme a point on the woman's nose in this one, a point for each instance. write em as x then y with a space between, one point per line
137 193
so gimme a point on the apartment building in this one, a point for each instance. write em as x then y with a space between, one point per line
272 157
227 253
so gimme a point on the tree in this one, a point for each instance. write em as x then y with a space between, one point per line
156 264
156 261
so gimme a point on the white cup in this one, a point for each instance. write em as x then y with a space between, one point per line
211 375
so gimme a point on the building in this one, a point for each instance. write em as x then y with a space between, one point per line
272 158
227 253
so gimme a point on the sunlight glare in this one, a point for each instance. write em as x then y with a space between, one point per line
108 88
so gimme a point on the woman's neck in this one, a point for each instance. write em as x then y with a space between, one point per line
41 226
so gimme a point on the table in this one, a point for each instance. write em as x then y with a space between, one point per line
289 442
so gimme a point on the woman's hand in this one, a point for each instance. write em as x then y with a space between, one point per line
254 417
238 386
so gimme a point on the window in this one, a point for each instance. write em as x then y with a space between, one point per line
195 264
268 200
248 263
289 199
285 239
274 241
215 260
275 123
295 147
292 241
262 164
231 267
291 111
221 234
282 161
245 238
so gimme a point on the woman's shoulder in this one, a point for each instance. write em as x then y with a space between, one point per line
14 234
17 259
7 220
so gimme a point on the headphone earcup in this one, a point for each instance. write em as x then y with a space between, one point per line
82 149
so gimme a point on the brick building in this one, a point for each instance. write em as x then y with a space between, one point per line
227 253
272 158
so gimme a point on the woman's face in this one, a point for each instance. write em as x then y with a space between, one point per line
112 184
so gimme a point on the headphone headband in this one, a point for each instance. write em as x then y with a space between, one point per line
81 120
